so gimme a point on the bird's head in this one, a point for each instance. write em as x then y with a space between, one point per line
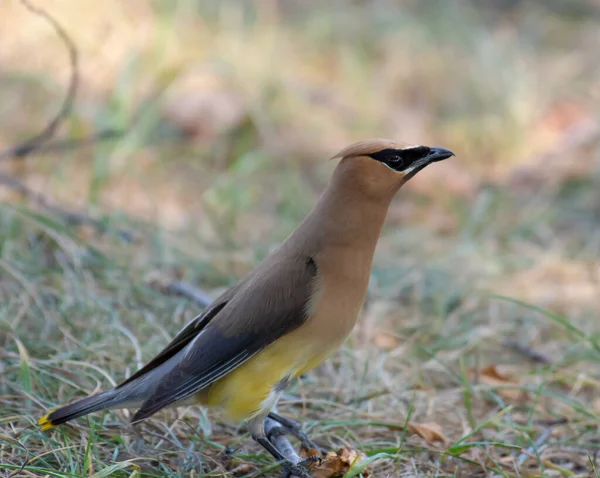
402 159
377 162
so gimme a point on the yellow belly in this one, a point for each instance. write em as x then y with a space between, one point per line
248 390
243 392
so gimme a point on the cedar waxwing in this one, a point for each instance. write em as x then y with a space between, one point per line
287 315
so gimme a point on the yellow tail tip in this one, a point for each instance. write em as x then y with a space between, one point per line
45 422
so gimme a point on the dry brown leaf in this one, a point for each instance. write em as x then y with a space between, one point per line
337 463
498 376
386 341
430 432
496 372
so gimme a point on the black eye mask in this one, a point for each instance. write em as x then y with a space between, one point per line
400 159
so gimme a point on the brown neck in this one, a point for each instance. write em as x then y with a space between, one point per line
352 209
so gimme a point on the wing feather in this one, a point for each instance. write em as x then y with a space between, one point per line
181 340
269 305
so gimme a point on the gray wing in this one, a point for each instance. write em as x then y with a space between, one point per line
181 340
263 309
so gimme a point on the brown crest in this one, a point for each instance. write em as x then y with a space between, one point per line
370 146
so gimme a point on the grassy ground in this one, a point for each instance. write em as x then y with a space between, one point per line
477 352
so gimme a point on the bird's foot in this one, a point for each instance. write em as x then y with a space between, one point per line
294 429
300 469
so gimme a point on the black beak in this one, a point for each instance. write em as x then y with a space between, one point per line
434 155
438 154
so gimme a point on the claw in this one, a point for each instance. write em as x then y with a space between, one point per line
295 430
299 470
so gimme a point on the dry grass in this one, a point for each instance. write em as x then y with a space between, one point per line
481 326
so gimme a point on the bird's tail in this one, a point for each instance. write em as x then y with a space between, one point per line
94 403
130 394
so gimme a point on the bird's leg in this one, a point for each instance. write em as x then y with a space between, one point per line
291 469
297 468
294 429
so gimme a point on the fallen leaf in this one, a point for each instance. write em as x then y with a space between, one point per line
337 463
430 432
498 376
496 372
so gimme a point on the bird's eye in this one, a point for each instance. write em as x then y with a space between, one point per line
395 159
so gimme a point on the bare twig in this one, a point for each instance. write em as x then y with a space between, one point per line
71 217
25 463
189 291
550 422
62 145
48 132
40 140
527 351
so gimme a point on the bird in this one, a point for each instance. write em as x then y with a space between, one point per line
286 316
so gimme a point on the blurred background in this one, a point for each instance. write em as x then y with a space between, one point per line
230 111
